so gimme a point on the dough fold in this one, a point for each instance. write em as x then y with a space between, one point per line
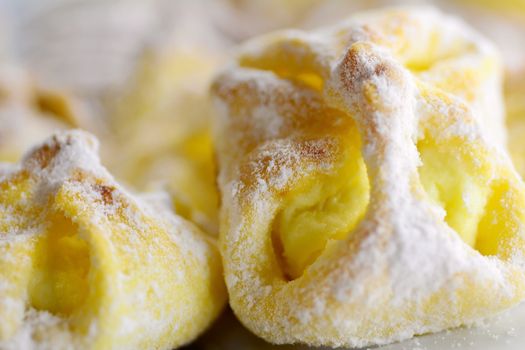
365 194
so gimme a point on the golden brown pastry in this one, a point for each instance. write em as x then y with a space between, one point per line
365 196
84 264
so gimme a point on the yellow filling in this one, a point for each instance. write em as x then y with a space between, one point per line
59 282
324 208
484 210
321 209
455 184
499 230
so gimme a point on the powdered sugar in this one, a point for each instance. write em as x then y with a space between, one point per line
149 272
402 270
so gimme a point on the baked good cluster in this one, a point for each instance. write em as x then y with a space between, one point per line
353 181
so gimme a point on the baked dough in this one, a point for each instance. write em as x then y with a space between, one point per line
86 265
163 136
365 196
30 113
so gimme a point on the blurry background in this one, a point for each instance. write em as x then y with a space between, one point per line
97 41
136 74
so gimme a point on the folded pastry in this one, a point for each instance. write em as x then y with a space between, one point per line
365 198
86 265
163 137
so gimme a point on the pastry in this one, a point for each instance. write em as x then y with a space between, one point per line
515 103
511 7
162 132
84 264
365 194
29 112
503 22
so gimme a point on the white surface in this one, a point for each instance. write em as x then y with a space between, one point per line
504 332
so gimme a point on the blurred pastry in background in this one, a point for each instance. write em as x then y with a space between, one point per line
84 264
515 103
510 7
31 113
144 70
162 135
364 183
501 21
160 123
504 22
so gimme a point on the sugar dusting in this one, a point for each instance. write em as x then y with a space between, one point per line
402 253
68 163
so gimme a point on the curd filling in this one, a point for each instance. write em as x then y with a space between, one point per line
59 283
